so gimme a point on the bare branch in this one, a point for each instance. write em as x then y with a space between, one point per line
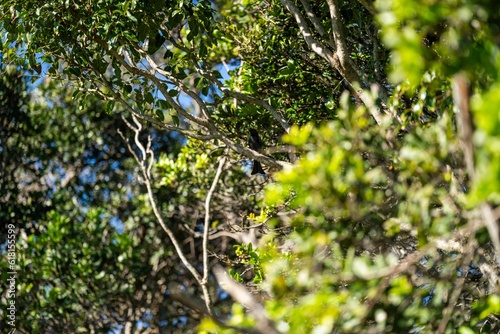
147 181
316 22
242 296
149 152
315 45
458 289
137 130
206 227
368 6
491 224
338 36
461 100
136 157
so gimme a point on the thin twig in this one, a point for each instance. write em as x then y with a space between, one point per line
206 227
145 169
457 290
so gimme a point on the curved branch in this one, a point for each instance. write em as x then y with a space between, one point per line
156 81
206 227
241 295
142 161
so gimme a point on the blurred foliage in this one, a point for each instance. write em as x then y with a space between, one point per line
371 198
364 206
444 38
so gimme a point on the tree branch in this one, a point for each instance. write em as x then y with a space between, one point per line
145 166
339 59
316 22
206 227
243 97
461 100
458 289
242 296
202 122
368 6
313 44
155 80
339 38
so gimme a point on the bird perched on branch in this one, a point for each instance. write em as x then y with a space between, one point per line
255 144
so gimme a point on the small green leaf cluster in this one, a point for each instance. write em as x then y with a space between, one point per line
246 255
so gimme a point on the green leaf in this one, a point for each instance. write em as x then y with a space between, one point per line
330 104
148 97
168 54
75 71
163 104
175 20
175 119
109 106
160 115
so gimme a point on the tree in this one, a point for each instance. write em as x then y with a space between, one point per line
383 218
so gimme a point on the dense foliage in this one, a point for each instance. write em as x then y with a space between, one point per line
125 168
